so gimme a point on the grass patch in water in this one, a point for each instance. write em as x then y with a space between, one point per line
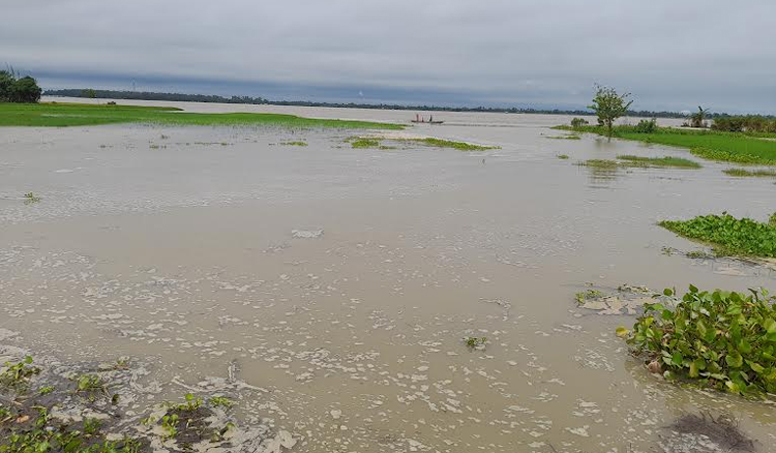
729 235
661 161
600 163
564 137
296 143
439 143
744 173
709 144
376 143
563 156
66 114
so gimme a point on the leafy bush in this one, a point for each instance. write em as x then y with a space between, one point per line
646 126
725 340
728 234
578 122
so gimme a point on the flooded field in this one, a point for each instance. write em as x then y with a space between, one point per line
338 285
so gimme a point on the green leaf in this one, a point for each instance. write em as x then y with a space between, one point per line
622 332
734 359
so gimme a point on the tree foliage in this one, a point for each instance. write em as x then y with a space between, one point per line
18 89
609 105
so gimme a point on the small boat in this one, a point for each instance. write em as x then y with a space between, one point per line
430 120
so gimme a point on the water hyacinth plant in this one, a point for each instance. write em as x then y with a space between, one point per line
721 339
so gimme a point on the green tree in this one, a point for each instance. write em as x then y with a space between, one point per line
609 105
88 93
7 80
25 90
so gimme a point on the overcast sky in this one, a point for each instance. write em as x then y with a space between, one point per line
671 54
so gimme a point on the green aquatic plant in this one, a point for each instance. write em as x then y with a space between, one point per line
743 173
294 143
31 198
169 425
17 375
192 403
589 294
475 342
699 255
563 156
364 142
720 339
221 401
728 235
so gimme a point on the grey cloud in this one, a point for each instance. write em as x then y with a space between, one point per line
671 55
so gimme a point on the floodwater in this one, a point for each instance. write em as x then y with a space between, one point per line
344 281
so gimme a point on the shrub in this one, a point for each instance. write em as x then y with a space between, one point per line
646 126
20 90
725 340
578 122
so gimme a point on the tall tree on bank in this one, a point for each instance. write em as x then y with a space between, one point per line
13 89
609 105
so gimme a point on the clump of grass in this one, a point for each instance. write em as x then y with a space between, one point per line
600 163
31 198
743 173
661 161
294 143
728 235
565 137
723 340
221 401
563 156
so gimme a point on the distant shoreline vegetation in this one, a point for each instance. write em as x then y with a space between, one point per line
182 97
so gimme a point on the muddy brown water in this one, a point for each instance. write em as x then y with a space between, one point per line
343 281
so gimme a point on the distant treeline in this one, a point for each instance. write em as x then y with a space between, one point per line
152 96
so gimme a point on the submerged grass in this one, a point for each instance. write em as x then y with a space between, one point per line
661 161
742 172
62 115
713 145
565 137
376 143
729 235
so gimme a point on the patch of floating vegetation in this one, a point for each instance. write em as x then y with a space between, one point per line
71 114
563 156
744 173
729 235
56 409
666 161
294 143
564 137
629 161
377 143
722 340
625 300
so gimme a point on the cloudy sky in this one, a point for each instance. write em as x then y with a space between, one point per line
671 54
